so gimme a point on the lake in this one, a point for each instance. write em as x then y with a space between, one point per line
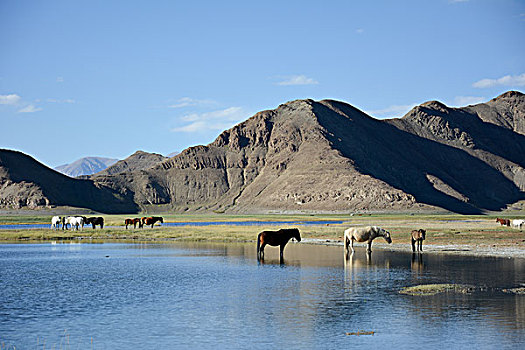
212 296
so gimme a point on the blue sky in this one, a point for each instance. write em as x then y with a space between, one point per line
107 78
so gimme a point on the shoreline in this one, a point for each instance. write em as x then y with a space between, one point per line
494 251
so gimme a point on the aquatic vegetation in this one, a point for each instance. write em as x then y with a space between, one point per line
433 289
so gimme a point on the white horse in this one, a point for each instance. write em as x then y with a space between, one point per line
55 222
74 221
518 223
365 234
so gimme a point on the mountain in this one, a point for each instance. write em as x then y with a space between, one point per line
26 183
326 155
310 156
86 166
139 160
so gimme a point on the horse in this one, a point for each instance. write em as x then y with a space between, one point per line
418 236
518 223
503 222
364 234
276 238
55 222
133 222
152 220
98 220
75 221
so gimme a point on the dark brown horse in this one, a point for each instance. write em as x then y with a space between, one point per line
276 238
418 236
152 220
133 222
503 222
98 220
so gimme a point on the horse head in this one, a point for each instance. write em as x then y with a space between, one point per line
161 219
296 234
386 236
423 233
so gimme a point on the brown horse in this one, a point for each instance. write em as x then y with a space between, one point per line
152 220
503 222
276 238
418 236
364 234
133 222
98 220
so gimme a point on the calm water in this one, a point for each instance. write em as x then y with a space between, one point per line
213 296
190 223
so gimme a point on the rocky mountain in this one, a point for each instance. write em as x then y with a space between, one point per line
320 156
26 183
86 166
139 160
329 156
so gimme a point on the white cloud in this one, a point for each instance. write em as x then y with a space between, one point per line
54 100
461 101
29 109
215 120
298 80
190 102
60 79
11 99
391 111
507 80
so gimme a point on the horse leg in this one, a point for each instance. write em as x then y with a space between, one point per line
281 251
413 244
261 250
352 244
421 245
369 248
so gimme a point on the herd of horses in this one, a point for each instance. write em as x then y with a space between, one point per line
516 223
146 220
78 222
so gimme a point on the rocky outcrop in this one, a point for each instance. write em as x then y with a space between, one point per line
139 160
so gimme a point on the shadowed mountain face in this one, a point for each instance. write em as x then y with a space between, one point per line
24 182
86 166
325 156
317 157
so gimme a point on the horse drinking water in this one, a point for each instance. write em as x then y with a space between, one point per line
365 234
418 236
276 238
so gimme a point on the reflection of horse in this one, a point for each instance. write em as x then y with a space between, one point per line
518 223
276 238
365 234
98 220
133 222
152 220
417 265
503 222
418 236
55 222
74 221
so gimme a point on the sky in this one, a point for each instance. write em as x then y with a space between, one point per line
108 78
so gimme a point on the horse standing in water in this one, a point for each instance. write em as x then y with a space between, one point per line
133 222
55 222
418 236
99 220
152 220
276 238
364 234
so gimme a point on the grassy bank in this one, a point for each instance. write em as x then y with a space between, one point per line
442 230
